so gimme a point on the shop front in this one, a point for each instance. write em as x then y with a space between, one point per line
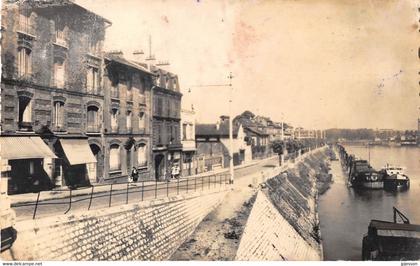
27 163
77 164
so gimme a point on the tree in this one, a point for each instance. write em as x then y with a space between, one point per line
278 146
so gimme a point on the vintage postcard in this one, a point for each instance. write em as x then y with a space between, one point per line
198 130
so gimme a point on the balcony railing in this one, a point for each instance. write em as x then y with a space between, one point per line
93 129
26 28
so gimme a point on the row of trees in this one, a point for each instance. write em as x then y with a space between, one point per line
293 145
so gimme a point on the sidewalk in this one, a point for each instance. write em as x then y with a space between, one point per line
65 193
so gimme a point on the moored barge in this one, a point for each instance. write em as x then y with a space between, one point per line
391 240
395 178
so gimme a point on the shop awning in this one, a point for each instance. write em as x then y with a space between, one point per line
77 151
25 147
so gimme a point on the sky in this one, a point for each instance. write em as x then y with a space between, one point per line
314 63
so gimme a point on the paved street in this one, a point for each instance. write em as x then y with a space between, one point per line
136 192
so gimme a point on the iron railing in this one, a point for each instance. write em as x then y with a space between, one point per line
118 194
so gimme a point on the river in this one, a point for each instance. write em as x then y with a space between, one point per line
345 213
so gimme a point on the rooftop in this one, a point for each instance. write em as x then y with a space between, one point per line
211 130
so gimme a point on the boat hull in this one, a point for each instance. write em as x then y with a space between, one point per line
396 184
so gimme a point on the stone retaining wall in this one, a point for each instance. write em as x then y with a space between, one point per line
150 230
268 236
283 223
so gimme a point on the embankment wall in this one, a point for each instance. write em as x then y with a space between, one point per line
283 223
149 230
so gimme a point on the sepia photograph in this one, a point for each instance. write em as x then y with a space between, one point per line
198 130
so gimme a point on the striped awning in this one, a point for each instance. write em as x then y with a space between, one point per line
77 151
25 147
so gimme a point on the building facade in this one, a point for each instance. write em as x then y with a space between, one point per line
213 145
167 147
259 141
51 79
189 160
127 118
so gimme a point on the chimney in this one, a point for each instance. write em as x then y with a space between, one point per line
139 56
224 118
217 125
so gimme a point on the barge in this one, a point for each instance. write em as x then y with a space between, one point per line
362 175
395 178
391 240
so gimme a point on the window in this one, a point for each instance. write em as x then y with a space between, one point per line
129 91
25 113
169 134
114 157
168 107
92 80
24 61
191 132
142 120
129 118
92 119
174 83
31 169
184 131
159 107
94 46
141 155
25 23
60 33
114 120
59 71
58 115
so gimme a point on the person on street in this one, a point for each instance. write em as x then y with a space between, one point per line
134 175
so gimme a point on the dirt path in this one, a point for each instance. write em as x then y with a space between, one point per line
217 236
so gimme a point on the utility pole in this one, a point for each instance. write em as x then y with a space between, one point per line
230 77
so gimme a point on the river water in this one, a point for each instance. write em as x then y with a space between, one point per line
345 213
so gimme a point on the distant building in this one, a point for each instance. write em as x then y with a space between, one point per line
213 145
189 161
259 141
51 89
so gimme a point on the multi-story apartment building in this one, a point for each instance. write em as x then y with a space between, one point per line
127 117
167 145
189 162
51 89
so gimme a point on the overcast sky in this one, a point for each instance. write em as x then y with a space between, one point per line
321 63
